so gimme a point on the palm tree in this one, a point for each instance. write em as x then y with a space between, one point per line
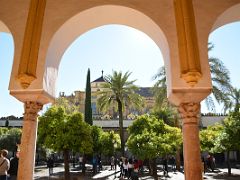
220 81
234 100
160 88
120 92
221 87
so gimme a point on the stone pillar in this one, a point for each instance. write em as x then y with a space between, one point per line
28 141
191 145
27 71
190 65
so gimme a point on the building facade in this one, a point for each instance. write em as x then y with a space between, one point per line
78 98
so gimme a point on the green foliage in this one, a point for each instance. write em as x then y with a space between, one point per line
103 142
118 87
118 90
68 105
160 88
233 100
88 108
97 133
60 131
9 138
150 137
168 114
3 131
229 139
209 136
220 80
108 139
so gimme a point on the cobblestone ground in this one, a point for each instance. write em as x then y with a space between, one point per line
41 173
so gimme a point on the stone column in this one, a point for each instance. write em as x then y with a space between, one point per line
28 141
191 145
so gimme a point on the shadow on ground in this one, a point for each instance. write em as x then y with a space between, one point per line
107 174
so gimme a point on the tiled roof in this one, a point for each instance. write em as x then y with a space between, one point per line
101 79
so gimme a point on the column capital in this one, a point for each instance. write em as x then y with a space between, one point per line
189 112
31 110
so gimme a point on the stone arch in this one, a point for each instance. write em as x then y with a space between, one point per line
3 27
92 18
230 15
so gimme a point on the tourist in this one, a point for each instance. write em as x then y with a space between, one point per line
4 164
125 168
135 170
94 164
140 164
112 162
115 163
14 167
165 166
99 163
80 162
50 165
121 166
130 168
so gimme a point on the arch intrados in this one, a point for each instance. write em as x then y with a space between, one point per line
3 27
230 15
93 18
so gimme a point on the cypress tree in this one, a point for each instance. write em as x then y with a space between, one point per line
88 108
7 123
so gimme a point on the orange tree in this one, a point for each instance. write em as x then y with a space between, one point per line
150 138
64 132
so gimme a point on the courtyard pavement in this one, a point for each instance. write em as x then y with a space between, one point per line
41 173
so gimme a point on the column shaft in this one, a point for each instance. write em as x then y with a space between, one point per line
191 144
28 141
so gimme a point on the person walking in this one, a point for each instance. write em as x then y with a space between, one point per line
4 164
80 162
135 170
50 165
125 168
165 165
14 167
130 168
112 162
121 161
99 163
94 164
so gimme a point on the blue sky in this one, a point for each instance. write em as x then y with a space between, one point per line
114 47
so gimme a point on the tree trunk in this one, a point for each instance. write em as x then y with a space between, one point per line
121 126
153 166
228 164
178 160
66 164
149 166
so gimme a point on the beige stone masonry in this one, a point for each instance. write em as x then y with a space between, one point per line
191 145
28 141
